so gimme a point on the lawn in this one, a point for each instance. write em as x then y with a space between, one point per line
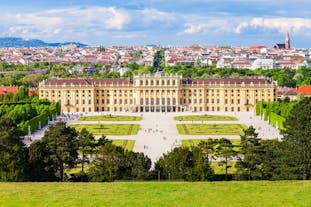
110 118
109 129
155 194
211 129
205 118
126 144
195 142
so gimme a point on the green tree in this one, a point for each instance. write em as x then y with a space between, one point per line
105 167
177 164
86 143
201 170
41 168
62 146
138 165
297 140
12 152
208 149
272 167
250 161
225 149
21 95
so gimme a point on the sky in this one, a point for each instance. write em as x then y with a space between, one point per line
160 22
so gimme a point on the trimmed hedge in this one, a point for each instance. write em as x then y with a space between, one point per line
275 112
277 120
46 114
34 123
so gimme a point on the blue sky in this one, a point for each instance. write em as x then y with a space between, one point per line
165 22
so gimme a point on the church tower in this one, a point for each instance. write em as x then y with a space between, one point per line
287 41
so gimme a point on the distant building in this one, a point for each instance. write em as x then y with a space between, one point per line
304 90
285 45
263 64
287 41
291 93
241 64
4 90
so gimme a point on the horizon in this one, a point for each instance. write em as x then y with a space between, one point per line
144 45
159 22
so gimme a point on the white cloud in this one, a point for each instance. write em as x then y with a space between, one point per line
240 24
210 25
151 14
194 28
127 36
67 22
281 24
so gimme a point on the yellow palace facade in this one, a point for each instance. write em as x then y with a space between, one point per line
157 93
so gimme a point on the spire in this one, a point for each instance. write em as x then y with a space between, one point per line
287 41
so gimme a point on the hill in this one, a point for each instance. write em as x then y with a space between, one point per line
20 42
170 194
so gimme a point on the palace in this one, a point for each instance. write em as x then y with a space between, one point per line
158 93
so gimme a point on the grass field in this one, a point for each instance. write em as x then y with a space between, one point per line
211 129
195 142
205 118
155 194
126 144
109 129
110 118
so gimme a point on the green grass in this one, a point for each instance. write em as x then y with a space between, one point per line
126 144
155 194
211 129
110 118
195 142
109 129
205 118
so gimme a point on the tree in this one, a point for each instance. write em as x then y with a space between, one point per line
22 94
208 149
102 141
202 170
32 80
137 164
62 146
40 167
225 149
186 164
297 140
176 163
272 167
12 152
250 149
105 167
86 144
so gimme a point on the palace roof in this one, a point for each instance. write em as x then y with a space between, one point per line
227 81
85 81
185 81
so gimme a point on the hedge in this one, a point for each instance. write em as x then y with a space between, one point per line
278 120
274 112
44 117
34 123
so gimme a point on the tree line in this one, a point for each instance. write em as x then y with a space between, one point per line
63 148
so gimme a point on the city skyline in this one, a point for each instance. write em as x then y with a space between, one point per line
205 22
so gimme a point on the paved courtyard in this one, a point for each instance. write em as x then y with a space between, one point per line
158 133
